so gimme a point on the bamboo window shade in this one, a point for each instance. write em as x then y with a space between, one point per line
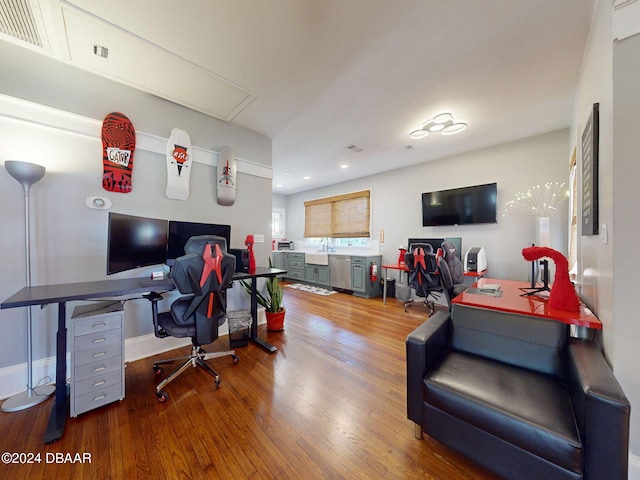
340 216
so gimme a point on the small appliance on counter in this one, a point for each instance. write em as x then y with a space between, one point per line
285 245
475 260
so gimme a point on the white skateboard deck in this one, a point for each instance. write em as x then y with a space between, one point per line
179 153
226 165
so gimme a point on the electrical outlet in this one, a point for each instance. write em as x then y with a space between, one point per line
258 238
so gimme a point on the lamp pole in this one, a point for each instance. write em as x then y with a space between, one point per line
27 174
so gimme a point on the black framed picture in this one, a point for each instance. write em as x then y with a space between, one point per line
590 173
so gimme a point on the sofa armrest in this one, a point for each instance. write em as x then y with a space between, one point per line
602 411
425 346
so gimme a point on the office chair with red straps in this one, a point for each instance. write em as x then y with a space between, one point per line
202 275
423 274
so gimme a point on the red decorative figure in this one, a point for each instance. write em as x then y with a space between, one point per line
252 260
562 296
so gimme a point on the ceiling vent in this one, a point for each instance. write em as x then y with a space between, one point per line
355 148
18 20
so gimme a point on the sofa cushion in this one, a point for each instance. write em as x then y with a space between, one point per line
527 409
520 340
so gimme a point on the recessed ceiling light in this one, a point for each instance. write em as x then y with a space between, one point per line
344 165
307 177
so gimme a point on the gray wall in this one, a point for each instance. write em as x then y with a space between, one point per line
515 166
70 239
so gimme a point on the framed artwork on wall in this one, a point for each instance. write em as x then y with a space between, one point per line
590 173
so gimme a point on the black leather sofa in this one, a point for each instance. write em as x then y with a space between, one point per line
517 395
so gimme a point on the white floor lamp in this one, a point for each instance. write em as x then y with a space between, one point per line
27 174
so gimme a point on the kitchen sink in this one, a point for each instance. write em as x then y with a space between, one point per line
317 258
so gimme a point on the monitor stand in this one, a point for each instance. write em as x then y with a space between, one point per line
545 282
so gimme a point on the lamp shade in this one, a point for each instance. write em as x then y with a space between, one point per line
24 172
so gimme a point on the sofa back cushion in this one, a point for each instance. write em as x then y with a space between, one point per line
524 341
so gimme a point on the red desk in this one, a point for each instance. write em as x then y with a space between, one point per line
511 301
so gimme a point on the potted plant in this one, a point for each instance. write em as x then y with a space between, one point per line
272 302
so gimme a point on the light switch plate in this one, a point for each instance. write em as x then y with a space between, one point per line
604 235
258 238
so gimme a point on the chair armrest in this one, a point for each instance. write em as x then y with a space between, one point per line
602 411
425 346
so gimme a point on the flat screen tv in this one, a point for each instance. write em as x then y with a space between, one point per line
460 206
135 242
180 232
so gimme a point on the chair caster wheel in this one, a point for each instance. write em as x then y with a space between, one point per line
162 396
158 370
218 383
236 359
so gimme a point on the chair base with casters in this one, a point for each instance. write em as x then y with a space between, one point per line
196 359
426 302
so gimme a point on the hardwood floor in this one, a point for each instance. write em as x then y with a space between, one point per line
330 404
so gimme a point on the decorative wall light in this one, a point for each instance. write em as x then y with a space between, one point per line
442 123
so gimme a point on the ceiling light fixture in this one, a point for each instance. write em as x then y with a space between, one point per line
442 123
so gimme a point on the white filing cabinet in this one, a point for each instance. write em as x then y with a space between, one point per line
96 341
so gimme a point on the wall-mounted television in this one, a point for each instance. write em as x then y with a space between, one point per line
135 242
180 232
460 206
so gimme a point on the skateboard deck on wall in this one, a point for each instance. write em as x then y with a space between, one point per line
226 166
179 158
118 146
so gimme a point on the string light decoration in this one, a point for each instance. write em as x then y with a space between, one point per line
538 201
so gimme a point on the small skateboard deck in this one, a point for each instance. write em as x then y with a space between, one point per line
179 158
226 165
118 145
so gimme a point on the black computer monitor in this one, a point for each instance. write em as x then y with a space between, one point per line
135 242
180 232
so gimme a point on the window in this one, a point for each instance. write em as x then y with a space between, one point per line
573 214
277 223
340 216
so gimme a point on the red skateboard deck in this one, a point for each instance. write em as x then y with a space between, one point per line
118 145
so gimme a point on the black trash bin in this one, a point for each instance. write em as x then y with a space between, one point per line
391 287
239 325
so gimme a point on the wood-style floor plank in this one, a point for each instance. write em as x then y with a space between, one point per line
330 404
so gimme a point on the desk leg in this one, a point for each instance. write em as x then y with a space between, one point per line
254 319
384 285
58 417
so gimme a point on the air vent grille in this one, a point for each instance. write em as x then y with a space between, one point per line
354 148
17 20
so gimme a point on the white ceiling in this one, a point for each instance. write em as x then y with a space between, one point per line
331 73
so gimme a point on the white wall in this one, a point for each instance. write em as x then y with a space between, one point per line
396 200
71 239
610 76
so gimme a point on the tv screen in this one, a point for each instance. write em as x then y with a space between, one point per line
460 206
135 242
180 232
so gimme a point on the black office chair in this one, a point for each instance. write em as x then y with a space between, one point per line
423 274
450 289
202 275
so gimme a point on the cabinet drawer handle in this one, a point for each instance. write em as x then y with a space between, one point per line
99 325
99 340
99 369
99 397
97 384
99 354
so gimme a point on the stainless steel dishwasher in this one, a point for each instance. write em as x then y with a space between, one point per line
340 271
